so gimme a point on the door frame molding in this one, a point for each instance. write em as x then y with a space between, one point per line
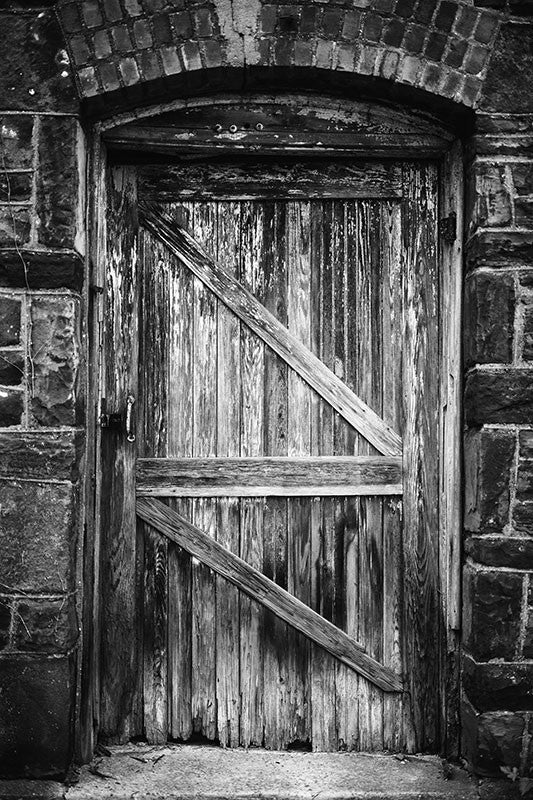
433 142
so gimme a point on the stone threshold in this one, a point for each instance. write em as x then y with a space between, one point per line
194 772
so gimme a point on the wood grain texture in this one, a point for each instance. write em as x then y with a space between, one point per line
264 324
269 476
274 180
121 619
203 547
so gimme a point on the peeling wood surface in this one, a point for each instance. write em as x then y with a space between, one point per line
262 590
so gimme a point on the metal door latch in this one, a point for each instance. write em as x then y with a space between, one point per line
119 421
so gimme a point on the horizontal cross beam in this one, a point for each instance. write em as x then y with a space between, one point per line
263 590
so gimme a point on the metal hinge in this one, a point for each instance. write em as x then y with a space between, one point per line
448 228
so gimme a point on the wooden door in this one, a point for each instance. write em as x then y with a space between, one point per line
284 334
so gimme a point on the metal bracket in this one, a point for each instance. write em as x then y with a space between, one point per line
448 228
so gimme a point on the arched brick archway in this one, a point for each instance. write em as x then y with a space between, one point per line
441 47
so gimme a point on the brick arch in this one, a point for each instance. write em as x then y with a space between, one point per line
438 47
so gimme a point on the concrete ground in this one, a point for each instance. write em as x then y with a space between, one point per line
141 772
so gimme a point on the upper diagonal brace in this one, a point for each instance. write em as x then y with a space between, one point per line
243 303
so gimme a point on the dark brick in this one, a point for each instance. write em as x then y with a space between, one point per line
46 626
351 25
489 457
456 52
500 249
405 8
133 7
11 368
303 53
57 182
5 622
121 38
37 534
11 408
41 269
331 22
425 10
493 740
524 484
171 60
414 38
112 10
431 77
190 53
92 14
40 455
109 77
471 91
36 715
10 308
70 17
489 319
346 54
466 21
283 51
212 52
435 46
288 20
526 278
495 397
527 344
385 6
452 84
55 358
142 34
373 27
394 33
476 59
129 71
80 49
203 24
486 28
162 30
445 16
308 19
182 24
501 551
268 19
15 225
149 65
17 147
495 687
101 44
491 622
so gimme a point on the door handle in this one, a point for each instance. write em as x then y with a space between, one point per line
130 433
121 420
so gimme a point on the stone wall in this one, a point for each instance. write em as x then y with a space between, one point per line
42 176
111 55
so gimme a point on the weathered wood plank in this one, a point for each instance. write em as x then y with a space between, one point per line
264 324
203 700
269 476
252 433
269 180
249 580
228 511
121 616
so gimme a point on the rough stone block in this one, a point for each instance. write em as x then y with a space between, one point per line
501 551
495 397
10 309
37 536
45 626
11 408
17 145
507 86
490 196
40 454
492 603
16 187
500 249
5 621
523 507
489 319
11 368
498 687
41 269
55 351
36 713
492 740
489 457
527 341
15 225
58 180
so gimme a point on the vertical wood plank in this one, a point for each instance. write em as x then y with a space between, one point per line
154 363
421 463
228 515
180 443
276 632
323 666
392 299
203 701
121 626
252 435
299 443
